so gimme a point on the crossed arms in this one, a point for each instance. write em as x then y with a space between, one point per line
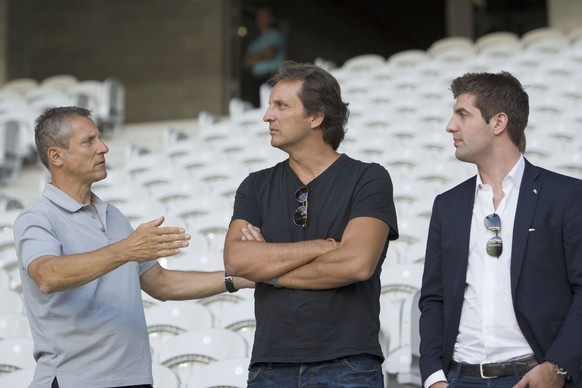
307 265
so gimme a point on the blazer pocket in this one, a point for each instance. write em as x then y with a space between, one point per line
544 231
543 243
544 247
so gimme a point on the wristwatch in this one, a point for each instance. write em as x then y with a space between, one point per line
561 371
229 284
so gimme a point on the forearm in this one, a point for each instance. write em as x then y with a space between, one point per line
183 285
354 260
259 261
60 273
334 269
149 241
166 284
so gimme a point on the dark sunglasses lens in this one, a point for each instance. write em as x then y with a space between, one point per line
301 194
494 246
493 222
300 216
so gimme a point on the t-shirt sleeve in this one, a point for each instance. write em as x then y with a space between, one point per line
144 266
34 237
374 198
246 203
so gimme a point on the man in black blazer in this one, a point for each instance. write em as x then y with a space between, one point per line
501 298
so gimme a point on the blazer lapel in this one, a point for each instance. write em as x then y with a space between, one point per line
462 228
528 198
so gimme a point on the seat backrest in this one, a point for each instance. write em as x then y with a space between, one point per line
164 377
20 85
187 352
17 379
230 373
14 325
11 302
60 81
16 353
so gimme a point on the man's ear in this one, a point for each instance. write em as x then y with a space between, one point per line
55 156
316 119
499 122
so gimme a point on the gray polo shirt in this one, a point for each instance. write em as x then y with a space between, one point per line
94 335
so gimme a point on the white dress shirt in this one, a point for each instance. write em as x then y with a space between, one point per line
488 330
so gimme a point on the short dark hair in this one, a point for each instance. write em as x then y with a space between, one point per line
53 128
320 93
495 93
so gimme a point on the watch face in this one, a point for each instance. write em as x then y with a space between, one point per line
561 371
229 284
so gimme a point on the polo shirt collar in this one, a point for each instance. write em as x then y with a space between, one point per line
64 200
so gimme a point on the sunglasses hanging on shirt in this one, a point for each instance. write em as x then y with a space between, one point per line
300 215
494 246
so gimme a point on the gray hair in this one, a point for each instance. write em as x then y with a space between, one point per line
53 128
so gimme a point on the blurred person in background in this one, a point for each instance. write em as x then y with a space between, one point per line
265 53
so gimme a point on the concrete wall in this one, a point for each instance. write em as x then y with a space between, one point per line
565 14
3 39
171 55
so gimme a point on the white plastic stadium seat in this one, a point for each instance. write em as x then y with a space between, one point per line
16 353
18 379
452 48
240 318
498 44
231 373
20 85
164 377
545 40
189 351
363 62
60 81
400 284
11 302
14 325
168 319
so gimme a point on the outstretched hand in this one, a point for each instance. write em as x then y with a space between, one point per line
151 241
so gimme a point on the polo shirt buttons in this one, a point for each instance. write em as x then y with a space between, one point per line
102 228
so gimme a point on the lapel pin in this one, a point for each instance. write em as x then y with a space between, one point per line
535 191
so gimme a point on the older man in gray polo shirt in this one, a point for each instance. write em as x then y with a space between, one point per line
83 266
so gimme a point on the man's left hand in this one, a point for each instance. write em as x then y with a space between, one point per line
252 233
542 376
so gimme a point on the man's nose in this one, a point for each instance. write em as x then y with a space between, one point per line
268 115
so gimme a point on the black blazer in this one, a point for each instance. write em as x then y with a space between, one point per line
546 271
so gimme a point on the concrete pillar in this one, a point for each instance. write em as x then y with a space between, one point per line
459 18
564 14
3 39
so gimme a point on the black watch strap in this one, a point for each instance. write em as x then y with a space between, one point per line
229 284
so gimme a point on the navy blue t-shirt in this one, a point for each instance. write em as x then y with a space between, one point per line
306 325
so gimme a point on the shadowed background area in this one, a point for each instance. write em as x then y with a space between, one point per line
179 57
